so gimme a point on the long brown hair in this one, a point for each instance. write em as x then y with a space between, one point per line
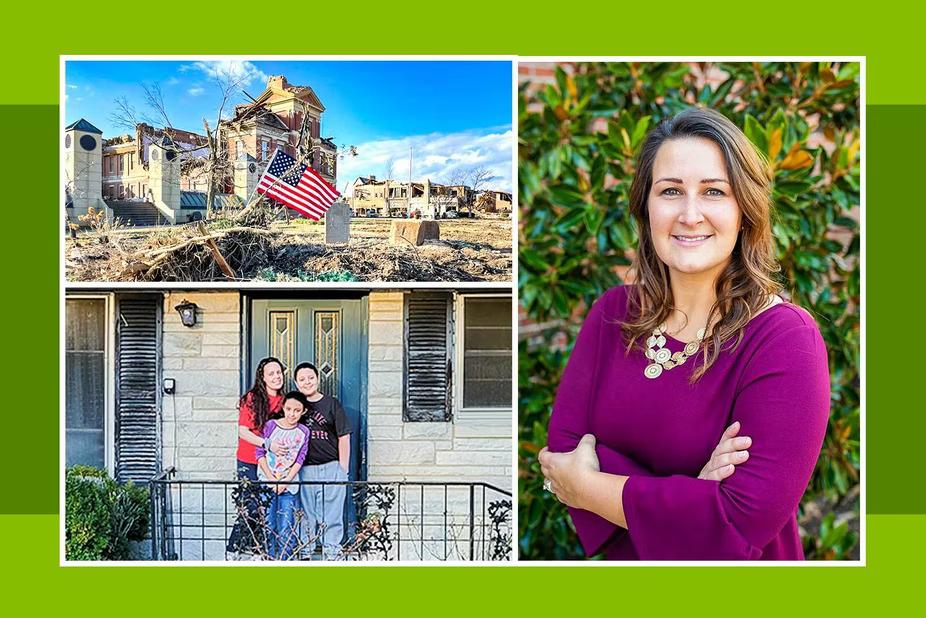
744 286
257 397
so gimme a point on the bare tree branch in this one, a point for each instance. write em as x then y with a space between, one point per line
154 98
125 115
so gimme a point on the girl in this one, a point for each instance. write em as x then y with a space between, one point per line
287 431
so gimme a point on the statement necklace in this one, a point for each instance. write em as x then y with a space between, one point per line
661 356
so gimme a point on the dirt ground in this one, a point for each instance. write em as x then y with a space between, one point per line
468 250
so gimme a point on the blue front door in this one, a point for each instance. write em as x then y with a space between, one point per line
331 334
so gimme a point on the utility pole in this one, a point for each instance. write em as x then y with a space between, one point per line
408 207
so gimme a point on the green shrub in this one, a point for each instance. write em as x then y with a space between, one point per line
101 515
577 141
86 514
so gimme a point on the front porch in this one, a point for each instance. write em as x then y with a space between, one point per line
402 520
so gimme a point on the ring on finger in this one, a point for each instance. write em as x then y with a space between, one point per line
548 485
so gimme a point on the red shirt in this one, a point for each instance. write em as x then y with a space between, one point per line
246 451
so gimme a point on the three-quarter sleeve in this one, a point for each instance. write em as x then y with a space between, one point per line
569 422
782 402
269 426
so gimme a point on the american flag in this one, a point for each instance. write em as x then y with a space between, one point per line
297 186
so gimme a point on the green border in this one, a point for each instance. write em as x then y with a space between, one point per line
889 38
528 590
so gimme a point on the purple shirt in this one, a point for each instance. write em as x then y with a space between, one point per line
297 442
660 432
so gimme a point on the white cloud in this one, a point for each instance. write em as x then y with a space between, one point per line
173 81
195 91
436 156
241 71
73 86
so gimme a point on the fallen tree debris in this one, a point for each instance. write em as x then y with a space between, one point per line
228 250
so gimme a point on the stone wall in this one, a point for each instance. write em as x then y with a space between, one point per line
200 419
462 450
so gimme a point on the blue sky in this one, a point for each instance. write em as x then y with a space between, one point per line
455 114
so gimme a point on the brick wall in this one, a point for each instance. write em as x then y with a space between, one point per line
536 72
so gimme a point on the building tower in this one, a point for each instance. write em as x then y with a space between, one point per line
83 168
164 177
247 173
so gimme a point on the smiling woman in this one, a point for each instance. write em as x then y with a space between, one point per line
690 416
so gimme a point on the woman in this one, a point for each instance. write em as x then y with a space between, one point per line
261 403
700 343
328 459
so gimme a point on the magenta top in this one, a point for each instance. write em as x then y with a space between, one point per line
660 432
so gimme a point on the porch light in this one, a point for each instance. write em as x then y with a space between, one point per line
187 311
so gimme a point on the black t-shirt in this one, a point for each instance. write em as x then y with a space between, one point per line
326 421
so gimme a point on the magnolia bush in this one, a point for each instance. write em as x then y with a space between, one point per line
577 142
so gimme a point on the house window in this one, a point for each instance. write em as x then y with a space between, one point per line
239 149
484 365
86 362
264 150
458 357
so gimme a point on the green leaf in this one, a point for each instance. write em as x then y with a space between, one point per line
593 219
639 131
532 259
571 218
756 133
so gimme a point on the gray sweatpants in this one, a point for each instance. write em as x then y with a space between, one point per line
324 508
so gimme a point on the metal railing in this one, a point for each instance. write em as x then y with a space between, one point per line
407 520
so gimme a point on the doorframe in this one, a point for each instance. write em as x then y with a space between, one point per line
300 294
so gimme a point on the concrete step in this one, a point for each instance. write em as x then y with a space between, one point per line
137 213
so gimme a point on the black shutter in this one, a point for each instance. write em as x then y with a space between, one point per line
138 326
428 351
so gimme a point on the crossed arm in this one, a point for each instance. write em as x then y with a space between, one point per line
578 481
783 403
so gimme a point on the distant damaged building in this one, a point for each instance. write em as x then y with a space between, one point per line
278 118
385 198
160 175
126 161
154 176
494 201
